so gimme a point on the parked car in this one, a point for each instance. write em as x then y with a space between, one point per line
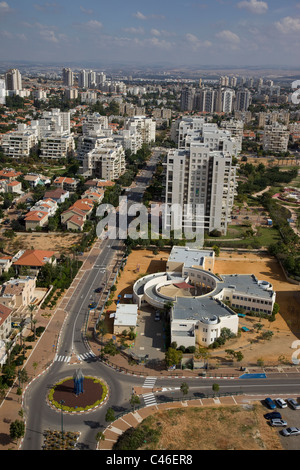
157 316
293 403
270 404
281 403
290 431
277 422
93 305
99 289
273 415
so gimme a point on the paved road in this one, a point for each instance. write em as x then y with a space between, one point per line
39 416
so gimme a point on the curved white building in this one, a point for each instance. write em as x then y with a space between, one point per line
198 296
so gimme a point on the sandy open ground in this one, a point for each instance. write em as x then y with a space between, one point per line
286 328
60 243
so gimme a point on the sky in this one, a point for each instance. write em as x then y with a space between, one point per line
157 32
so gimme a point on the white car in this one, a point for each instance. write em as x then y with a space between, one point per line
281 403
278 422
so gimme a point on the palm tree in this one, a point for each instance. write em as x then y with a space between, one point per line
31 308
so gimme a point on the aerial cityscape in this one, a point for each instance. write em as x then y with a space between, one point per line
149 227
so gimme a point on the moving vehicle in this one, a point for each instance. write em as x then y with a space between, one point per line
278 422
157 316
293 403
281 403
92 304
291 431
99 289
270 404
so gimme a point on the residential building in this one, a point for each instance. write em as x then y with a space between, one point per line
107 161
68 77
36 218
5 328
68 184
33 259
275 138
21 142
243 100
5 263
19 292
57 146
142 125
9 174
59 195
2 92
187 99
13 80
236 129
200 175
14 187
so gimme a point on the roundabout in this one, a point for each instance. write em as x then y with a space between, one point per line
78 393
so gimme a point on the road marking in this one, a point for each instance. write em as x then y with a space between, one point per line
149 382
149 399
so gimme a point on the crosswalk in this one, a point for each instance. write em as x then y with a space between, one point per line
149 382
80 357
149 399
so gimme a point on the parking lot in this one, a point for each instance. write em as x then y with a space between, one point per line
292 417
150 339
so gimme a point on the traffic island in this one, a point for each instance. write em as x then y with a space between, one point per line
78 394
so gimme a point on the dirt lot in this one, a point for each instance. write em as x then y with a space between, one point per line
286 327
42 241
211 428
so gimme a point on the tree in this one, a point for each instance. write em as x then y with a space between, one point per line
184 388
134 400
100 436
17 429
110 415
173 357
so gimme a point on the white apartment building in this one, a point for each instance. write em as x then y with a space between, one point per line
13 79
227 100
129 139
2 92
236 129
275 138
19 143
107 161
144 126
68 77
56 145
200 173
83 77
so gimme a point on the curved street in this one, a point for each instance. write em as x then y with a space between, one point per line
64 347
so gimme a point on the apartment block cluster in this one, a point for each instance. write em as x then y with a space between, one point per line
52 132
100 150
200 172
101 153
215 100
